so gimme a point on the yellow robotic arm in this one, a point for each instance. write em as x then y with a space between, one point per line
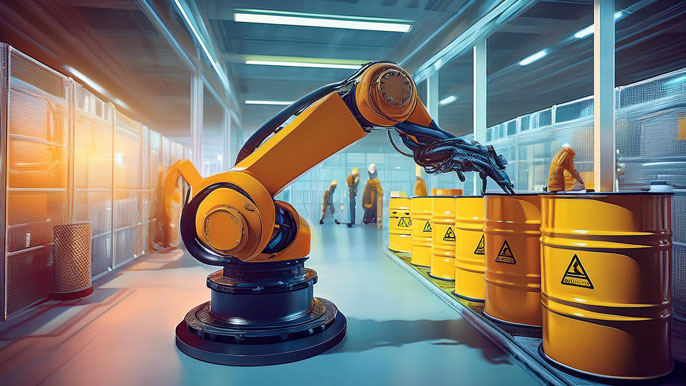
232 215
262 309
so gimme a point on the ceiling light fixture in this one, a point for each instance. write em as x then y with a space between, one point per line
214 64
321 20
533 58
275 103
677 80
88 81
303 64
448 100
589 30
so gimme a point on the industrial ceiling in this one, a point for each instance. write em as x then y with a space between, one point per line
119 47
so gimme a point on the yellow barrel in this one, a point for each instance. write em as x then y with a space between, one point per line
443 244
606 283
470 253
420 212
446 192
513 267
399 224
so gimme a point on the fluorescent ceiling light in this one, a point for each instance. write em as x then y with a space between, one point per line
88 81
677 80
447 100
276 103
321 20
584 32
121 103
534 57
589 30
303 64
214 64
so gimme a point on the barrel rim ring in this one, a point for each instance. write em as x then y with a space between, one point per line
465 297
510 195
493 318
597 377
440 278
436 196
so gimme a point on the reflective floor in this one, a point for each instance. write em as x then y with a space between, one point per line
398 331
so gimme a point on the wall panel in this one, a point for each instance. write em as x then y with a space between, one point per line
37 179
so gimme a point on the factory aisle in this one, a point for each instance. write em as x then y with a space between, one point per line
398 332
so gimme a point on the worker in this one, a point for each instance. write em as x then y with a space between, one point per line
563 161
371 196
327 203
419 185
353 180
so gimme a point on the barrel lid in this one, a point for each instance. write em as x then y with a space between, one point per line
600 194
511 195
435 196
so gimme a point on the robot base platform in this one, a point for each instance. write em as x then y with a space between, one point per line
261 314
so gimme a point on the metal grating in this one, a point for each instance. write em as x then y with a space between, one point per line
4 76
93 174
38 76
39 165
679 254
582 108
37 176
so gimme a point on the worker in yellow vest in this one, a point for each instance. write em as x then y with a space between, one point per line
372 197
327 203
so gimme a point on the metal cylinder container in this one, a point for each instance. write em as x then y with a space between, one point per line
606 283
470 253
513 268
443 237
446 192
72 261
399 224
420 212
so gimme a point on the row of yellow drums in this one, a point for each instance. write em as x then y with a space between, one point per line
593 270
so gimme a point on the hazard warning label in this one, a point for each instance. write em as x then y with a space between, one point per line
427 227
405 222
449 235
480 248
576 274
505 255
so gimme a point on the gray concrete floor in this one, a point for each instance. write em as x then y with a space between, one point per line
398 332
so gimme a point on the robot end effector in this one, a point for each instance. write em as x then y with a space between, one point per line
386 96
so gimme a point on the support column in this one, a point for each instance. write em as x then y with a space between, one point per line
432 95
604 155
227 162
479 104
196 122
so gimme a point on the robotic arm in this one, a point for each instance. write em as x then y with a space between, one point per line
233 216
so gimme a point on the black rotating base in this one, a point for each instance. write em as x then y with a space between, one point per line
261 314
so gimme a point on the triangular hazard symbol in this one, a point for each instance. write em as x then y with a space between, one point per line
404 222
505 255
480 248
427 227
449 235
576 274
